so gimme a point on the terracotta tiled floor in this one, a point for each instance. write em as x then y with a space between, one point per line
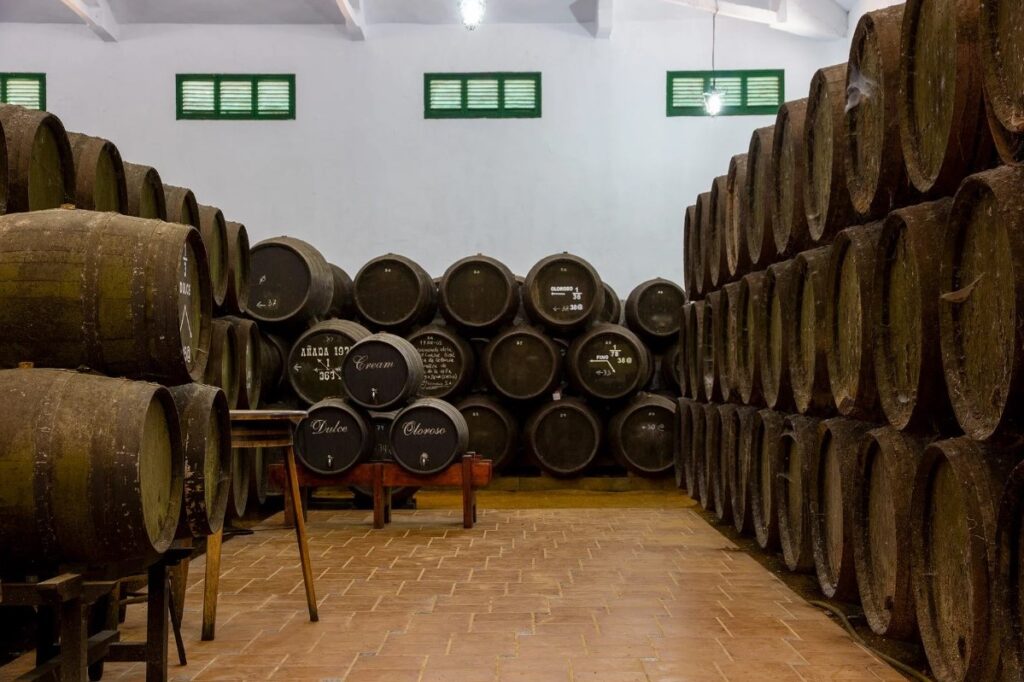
602 595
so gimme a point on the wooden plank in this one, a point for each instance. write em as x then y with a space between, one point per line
211 584
300 535
74 653
267 415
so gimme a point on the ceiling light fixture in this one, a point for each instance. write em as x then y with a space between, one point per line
714 99
472 12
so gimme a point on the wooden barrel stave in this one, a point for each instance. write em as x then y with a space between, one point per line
728 462
778 300
564 437
99 174
729 343
215 237
766 437
827 202
40 164
809 349
249 347
206 448
789 176
343 296
760 232
692 435
740 482
714 239
750 333
799 441
181 206
713 311
690 259
236 296
707 467
222 368
737 254
145 192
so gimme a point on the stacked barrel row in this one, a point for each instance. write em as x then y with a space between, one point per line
540 367
853 347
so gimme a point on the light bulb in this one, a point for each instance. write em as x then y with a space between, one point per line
472 12
713 102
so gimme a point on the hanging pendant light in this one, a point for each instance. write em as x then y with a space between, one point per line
472 12
714 99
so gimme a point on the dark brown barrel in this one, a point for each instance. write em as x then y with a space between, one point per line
564 436
851 337
727 342
694 350
478 294
641 436
449 364
905 319
236 297
826 198
259 476
665 377
316 358
5 175
714 311
122 295
728 462
333 437
222 368
240 473
875 174
40 164
737 254
941 113
563 293
799 442
181 205
289 282
608 362
757 203
981 304
702 221
1001 26
1007 601
828 472
97 475
765 440
392 293
691 442
145 192
652 310
99 174
343 297
789 176
750 335
779 299
382 371
522 363
206 447
809 342
706 468
611 311
953 531
493 430
741 478
273 358
215 237
690 260
714 241
248 346
881 529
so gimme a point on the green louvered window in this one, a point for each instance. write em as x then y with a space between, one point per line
236 96
481 95
26 89
744 93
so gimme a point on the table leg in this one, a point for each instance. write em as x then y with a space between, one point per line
179 583
211 584
156 623
379 503
467 491
300 534
74 655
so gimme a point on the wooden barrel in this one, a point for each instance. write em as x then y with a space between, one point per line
478 294
381 371
828 472
789 176
273 358
905 319
741 478
215 237
206 448
611 311
714 239
737 254
449 364
181 205
727 341
343 297
522 363
428 436
953 532
652 310
981 304
691 442
728 462
641 435
259 477
750 333
240 473
851 362
881 529
757 198
40 163
248 346
665 376
608 362
392 293
99 174
702 231
694 350
97 475
779 300
222 368
563 293
707 469
124 296
145 192
289 282
690 259
1006 599
876 176
236 296
333 437
314 363
564 437
799 442
5 175
493 430
827 202
999 31
765 440
714 311
809 342
941 112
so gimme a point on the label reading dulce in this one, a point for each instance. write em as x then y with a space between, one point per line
322 427
441 367
188 322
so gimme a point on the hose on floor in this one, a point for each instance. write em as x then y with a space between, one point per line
902 667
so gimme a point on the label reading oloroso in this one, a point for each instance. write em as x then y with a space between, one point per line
567 295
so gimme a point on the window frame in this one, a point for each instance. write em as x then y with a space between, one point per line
742 110
217 115
36 76
465 112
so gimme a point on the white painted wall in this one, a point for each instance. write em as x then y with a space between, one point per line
604 173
